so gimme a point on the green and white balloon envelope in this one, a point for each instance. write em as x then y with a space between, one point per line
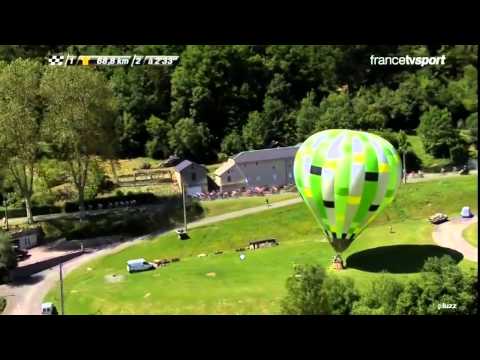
346 178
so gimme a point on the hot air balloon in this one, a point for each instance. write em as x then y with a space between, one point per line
346 178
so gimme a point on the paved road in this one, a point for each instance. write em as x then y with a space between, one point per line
449 235
25 299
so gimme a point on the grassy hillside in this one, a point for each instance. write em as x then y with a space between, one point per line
223 284
428 161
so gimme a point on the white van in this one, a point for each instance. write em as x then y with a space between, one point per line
49 309
138 265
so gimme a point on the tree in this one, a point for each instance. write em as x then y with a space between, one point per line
158 130
307 116
465 90
367 113
255 132
141 93
130 134
471 124
8 259
304 292
79 121
281 128
218 86
232 143
20 124
339 294
190 140
335 112
380 298
305 67
403 147
441 282
437 131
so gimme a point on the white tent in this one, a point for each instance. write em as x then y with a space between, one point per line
466 213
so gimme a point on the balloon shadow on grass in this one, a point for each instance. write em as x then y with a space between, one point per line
398 259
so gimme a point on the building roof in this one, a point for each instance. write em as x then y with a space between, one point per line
183 165
187 163
266 154
224 167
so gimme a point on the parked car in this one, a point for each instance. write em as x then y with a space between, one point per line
49 309
139 265
438 218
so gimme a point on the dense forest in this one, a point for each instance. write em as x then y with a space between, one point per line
219 100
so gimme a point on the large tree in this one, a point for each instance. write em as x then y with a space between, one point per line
79 120
218 86
190 140
304 290
307 116
8 259
437 131
310 291
380 298
158 130
20 124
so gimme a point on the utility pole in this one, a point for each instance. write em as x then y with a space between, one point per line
184 207
5 204
61 289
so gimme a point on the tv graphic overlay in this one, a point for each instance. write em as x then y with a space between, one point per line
111 60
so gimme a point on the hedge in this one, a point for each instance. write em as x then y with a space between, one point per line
140 198
133 223
72 206
36 210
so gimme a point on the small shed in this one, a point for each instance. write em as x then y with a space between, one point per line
26 239
193 176
253 245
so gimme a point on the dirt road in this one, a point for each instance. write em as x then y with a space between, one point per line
26 298
449 235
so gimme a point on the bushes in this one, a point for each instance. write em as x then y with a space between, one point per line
459 154
132 222
442 282
36 210
8 260
304 292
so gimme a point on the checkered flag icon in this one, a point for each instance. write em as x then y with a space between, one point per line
56 59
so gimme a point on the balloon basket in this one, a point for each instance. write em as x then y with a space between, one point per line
337 263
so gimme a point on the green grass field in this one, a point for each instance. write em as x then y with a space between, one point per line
255 285
218 207
471 234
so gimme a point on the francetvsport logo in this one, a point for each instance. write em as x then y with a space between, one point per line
407 60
